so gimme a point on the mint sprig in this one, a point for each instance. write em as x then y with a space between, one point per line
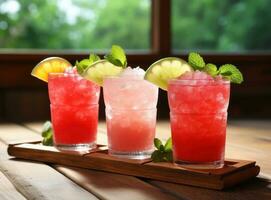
117 56
85 63
231 72
227 71
210 69
196 61
163 152
47 134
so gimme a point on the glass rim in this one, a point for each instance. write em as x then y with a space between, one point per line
189 82
62 74
130 109
127 78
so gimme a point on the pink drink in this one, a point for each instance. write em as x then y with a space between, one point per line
74 111
130 115
198 115
130 131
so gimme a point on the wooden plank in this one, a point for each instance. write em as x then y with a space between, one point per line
113 186
107 185
246 139
12 134
250 190
254 189
7 190
35 180
232 173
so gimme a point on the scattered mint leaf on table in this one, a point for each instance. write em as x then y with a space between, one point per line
163 152
47 134
117 56
196 61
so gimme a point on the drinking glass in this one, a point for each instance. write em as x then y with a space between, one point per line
198 118
130 116
74 111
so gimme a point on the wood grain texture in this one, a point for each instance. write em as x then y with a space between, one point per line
8 191
246 139
34 180
11 133
107 185
255 188
231 174
113 186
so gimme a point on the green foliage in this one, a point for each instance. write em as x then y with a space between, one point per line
221 25
84 24
88 24
163 152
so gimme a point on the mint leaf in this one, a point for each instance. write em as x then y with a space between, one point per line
85 63
210 69
117 56
48 141
47 134
157 143
168 145
169 156
46 128
231 72
196 61
227 71
94 58
156 156
163 153
161 148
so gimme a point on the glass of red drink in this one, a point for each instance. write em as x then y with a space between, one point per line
74 111
198 117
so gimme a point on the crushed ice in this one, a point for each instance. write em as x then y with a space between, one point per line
134 72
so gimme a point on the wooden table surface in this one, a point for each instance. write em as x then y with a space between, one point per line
20 179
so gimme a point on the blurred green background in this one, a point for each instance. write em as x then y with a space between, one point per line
208 25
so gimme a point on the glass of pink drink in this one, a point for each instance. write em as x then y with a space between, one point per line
198 115
74 111
130 114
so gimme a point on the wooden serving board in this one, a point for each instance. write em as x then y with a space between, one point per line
234 171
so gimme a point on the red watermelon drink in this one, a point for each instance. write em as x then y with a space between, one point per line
198 115
74 110
198 96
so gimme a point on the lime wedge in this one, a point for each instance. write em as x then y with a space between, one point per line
50 65
99 70
165 69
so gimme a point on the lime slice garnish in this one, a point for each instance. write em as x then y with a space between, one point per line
166 69
99 70
50 65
